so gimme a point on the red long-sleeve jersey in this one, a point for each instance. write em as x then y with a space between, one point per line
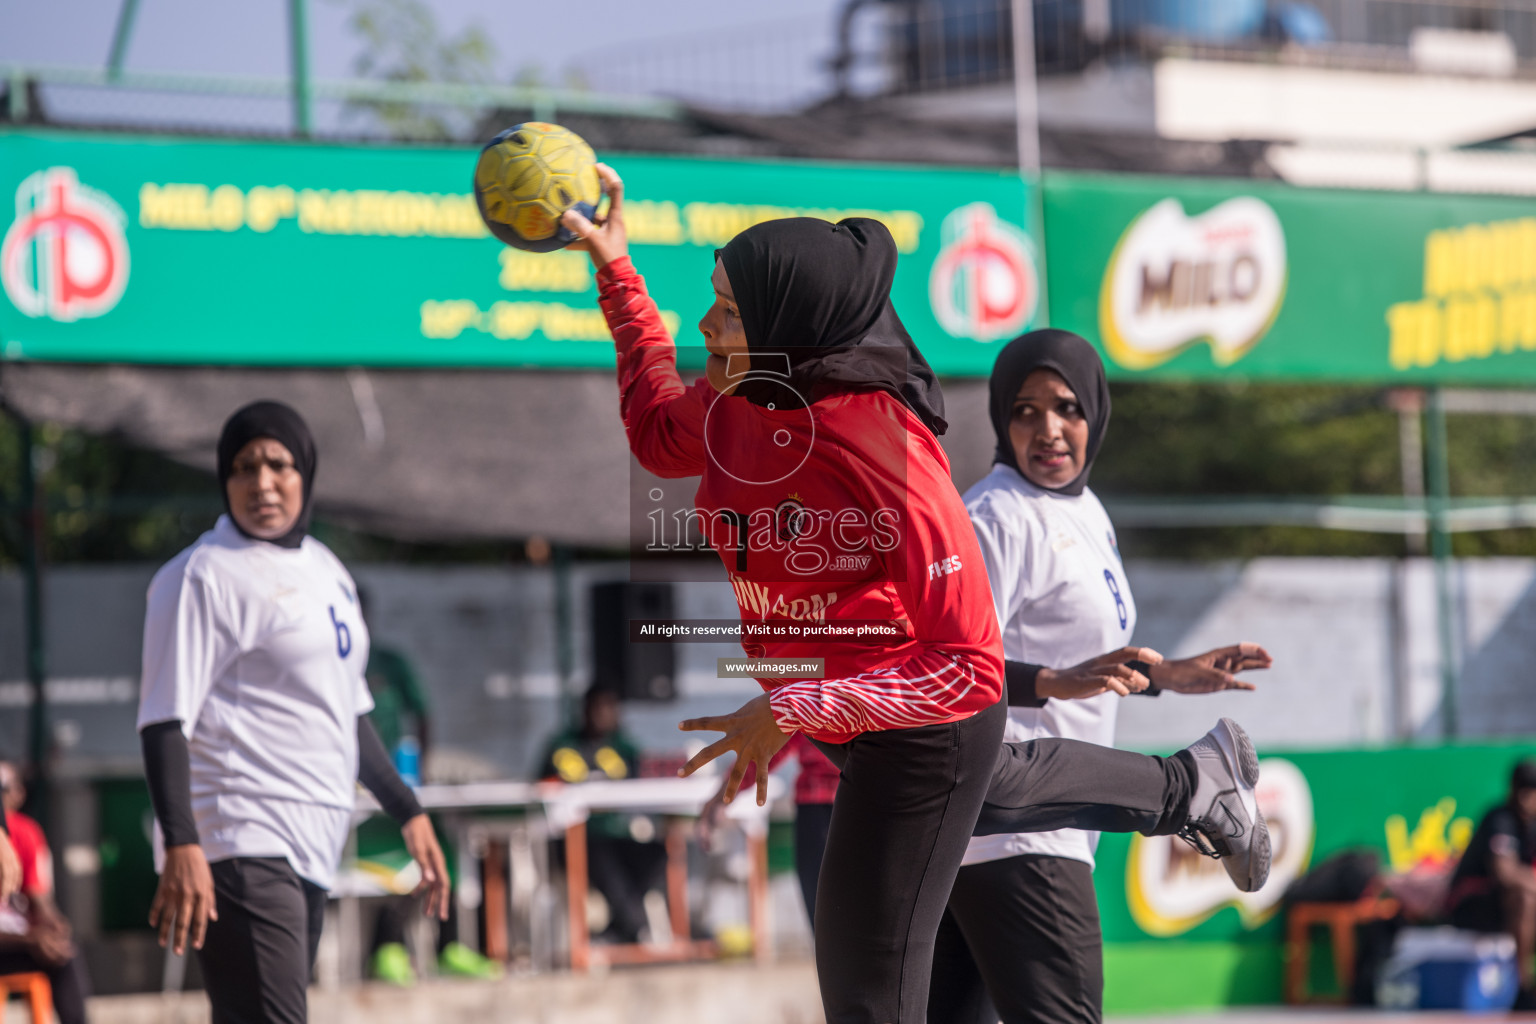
837 512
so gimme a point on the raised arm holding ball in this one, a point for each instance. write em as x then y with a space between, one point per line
817 408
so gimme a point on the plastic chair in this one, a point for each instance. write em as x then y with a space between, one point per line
1341 920
34 985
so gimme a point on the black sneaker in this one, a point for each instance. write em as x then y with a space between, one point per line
1224 819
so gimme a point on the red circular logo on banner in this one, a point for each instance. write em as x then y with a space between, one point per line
983 284
65 257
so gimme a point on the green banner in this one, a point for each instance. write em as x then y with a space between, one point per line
1416 806
159 250
1206 278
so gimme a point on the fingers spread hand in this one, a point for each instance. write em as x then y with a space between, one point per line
712 723
733 781
1126 654
705 756
1117 684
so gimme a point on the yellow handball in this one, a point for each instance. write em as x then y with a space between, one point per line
528 176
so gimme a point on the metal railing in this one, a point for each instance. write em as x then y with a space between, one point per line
356 108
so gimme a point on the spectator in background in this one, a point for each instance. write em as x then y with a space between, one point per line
1494 887
34 935
403 720
624 861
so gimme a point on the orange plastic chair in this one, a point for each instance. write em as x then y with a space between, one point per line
1340 919
34 985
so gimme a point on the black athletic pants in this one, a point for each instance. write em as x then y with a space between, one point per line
907 805
812 822
69 982
1020 943
260 953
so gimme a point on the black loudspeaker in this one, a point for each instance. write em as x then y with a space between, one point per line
635 671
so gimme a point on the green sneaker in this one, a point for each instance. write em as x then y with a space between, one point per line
392 965
459 961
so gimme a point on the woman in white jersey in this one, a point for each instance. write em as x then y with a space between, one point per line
1022 923
253 718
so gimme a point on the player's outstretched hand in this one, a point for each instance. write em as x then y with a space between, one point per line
1212 671
752 732
184 902
1106 673
421 843
605 240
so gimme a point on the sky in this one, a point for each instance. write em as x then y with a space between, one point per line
219 36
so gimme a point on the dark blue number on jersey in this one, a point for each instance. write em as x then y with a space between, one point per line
1114 588
344 635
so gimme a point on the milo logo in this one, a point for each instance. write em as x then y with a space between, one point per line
1176 281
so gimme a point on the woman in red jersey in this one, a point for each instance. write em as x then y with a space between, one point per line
826 494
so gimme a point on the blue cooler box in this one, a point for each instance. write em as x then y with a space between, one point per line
1449 969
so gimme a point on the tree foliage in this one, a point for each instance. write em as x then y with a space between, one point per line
402 42
1235 440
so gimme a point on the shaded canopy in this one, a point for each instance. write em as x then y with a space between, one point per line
422 455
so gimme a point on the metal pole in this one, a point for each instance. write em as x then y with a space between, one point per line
1440 546
298 47
1027 130
126 16
32 526
1026 99
1409 404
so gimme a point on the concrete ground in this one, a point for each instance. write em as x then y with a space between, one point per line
740 993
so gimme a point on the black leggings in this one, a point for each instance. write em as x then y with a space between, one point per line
1020 943
258 956
907 805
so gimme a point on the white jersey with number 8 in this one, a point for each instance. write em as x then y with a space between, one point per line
1061 598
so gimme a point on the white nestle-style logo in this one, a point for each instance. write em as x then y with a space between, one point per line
1176 280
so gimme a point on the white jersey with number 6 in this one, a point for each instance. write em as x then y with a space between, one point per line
259 651
1061 598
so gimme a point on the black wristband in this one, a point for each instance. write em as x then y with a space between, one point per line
1020 677
1152 689
377 774
168 770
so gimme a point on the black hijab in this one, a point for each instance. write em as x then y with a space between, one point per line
282 424
1077 363
820 294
